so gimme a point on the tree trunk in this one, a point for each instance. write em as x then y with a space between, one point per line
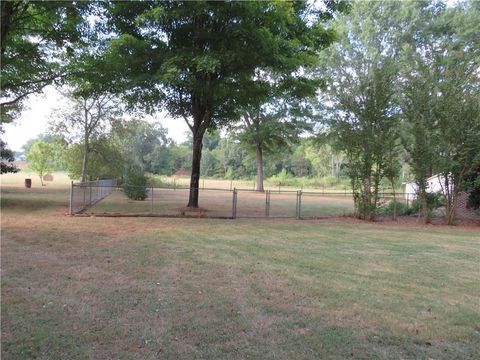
259 158
424 205
195 177
394 200
86 149
6 14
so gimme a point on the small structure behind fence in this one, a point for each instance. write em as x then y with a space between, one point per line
84 195
214 203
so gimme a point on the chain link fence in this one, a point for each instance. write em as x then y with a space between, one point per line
216 203
84 195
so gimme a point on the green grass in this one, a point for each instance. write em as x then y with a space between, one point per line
78 288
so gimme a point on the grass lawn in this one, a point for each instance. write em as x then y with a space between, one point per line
156 288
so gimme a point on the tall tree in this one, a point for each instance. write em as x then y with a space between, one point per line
86 118
441 106
40 158
359 107
278 110
192 57
145 145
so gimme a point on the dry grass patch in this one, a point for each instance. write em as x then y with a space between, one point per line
149 288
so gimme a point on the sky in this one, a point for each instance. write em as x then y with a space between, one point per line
35 119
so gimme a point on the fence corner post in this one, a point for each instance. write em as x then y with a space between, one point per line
267 203
234 204
151 195
299 204
70 210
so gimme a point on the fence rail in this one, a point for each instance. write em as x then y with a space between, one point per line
216 203
84 195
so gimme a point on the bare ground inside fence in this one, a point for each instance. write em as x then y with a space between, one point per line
218 204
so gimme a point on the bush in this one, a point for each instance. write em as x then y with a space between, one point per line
135 186
389 208
157 180
434 201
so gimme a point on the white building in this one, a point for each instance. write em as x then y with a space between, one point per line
435 183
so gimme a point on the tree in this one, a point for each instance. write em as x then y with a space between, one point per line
359 108
40 158
191 57
36 36
270 128
106 160
59 146
7 159
87 118
143 144
441 104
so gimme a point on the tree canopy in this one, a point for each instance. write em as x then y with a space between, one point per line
193 58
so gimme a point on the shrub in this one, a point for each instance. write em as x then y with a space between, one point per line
389 208
135 186
282 179
434 201
157 180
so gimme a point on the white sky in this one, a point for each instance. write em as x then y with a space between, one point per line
34 120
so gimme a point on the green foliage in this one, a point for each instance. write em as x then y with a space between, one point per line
434 201
396 207
41 158
135 184
144 144
359 108
158 180
105 161
441 96
190 57
59 147
472 186
36 38
281 179
6 159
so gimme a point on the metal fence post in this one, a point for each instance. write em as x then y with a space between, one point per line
84 194
71 198
234 203
267 203
151 195
299 204
296 206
